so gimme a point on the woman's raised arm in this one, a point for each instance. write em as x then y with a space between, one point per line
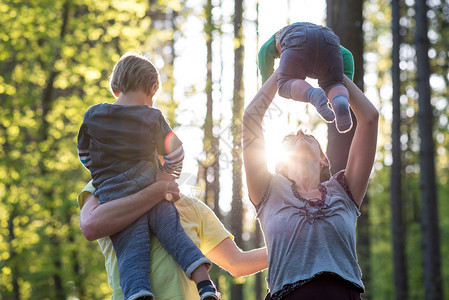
254 155
363 147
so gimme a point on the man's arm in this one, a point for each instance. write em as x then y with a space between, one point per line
99 221
217 243
237 262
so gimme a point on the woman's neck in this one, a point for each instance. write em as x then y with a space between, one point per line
307 177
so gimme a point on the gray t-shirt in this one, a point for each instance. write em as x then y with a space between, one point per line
305 239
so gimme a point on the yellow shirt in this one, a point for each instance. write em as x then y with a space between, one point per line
168 280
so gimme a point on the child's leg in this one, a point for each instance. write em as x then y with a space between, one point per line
295 63
298 90
301 90
131 245
330 75
291 69
340 103
132 248
165 222
337 89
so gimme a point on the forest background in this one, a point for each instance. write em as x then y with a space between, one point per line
55 60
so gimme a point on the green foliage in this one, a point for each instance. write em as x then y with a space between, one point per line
56 57
381 251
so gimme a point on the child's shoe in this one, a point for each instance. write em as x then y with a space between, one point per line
343 119
207 290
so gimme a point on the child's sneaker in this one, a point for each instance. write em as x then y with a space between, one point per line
343 119
210 296
207 290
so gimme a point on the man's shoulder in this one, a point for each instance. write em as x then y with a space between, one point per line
190 203
85 192
185 199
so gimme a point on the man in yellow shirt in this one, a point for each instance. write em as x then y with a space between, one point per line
168 280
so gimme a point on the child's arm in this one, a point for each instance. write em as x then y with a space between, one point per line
267 55
170 148
348 62
83 146
173 161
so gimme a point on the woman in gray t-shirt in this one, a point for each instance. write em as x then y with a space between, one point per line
309 218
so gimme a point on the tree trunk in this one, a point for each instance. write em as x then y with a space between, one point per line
216 172
11 240
345 18
236 128
430 234
216 139
397 207
12 256
79 278
47 193
208 121
260 286
260 282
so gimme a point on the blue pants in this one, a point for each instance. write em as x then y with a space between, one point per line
309 50
132 245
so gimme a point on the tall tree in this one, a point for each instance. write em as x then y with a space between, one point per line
10 257
48 191
236 130
345 17
258 238
210 142
397 207
430 234
15 273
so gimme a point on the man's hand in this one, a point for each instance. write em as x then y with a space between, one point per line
171 190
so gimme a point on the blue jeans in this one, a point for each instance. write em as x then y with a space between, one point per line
132 245
309 50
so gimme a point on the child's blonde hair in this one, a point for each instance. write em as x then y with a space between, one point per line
133 72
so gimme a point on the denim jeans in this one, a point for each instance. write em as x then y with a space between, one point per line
309 50
132 245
